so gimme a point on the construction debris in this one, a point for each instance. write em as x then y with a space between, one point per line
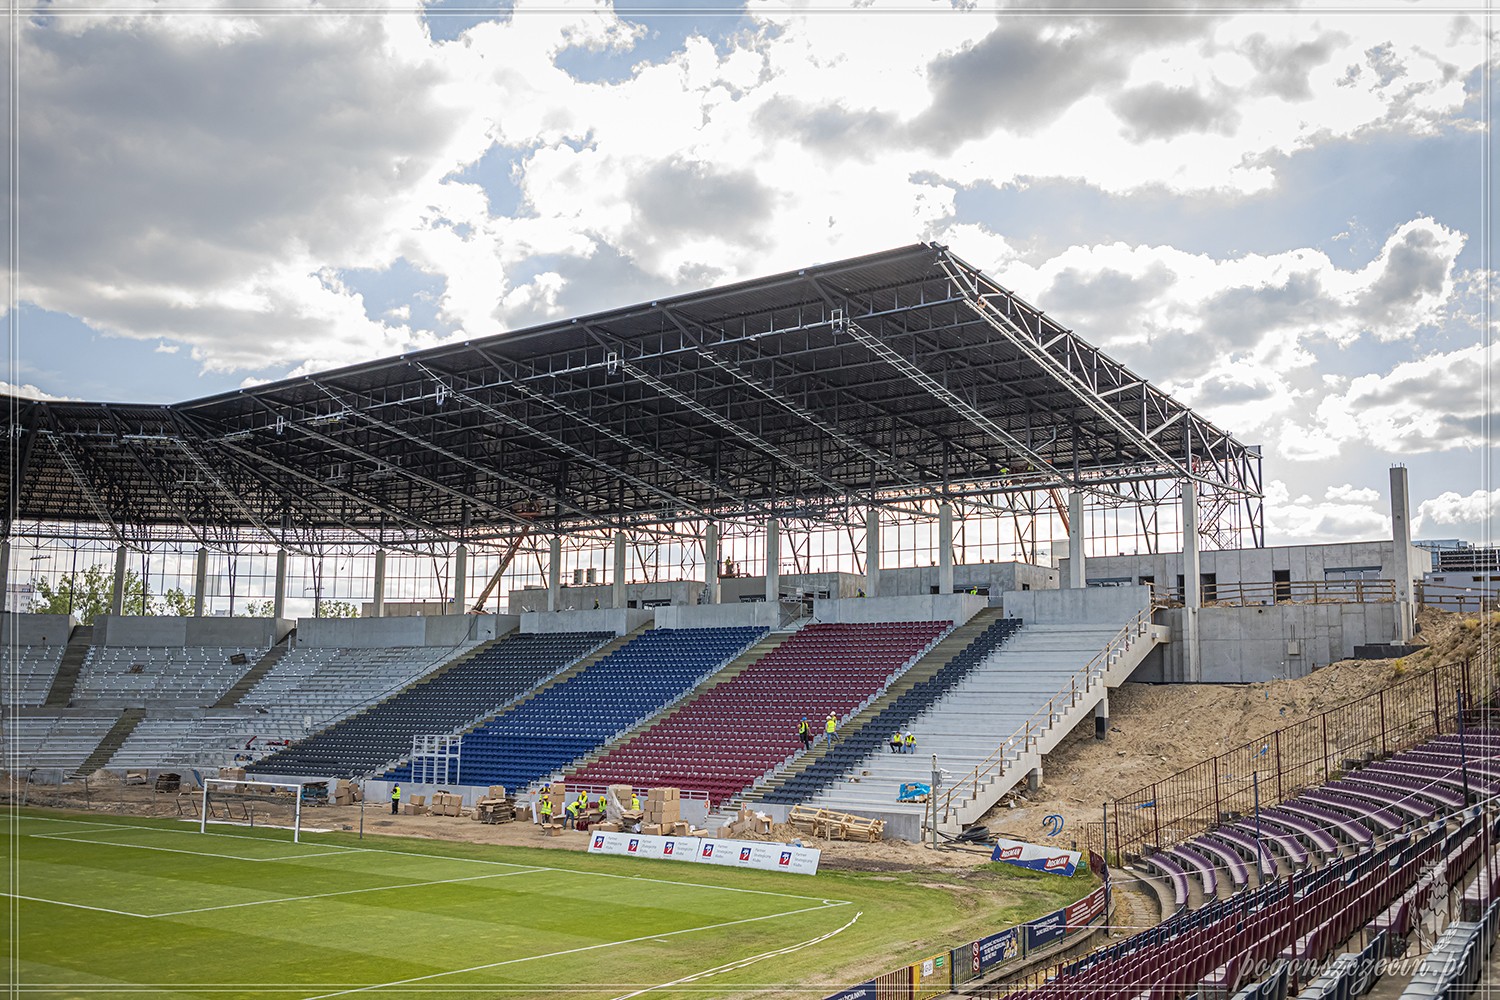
832 825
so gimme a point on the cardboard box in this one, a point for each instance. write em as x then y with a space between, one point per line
651 829
697 833
681 829
607 827
419 800
232 773
497 791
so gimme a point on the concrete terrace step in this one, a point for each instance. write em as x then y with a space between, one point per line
111 742
252 677
60 695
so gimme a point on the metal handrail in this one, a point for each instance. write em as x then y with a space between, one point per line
1258 593
1042 720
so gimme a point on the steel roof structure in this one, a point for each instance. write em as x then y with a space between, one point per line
902 376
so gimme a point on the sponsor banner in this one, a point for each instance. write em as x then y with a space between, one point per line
931 977
1041 859
999 948
1086 910
732 853
1044 930
864 991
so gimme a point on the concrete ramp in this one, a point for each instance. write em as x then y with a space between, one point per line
993 729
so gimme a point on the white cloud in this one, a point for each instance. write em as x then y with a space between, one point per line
1344 513
166 348
26 390
1472 515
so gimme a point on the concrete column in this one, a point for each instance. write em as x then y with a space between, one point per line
200 582
945 548
773 560
1101 717
1034 778
1192 590
554 574
1077 572
117 602
1401 536
617 585
460 579
278 602
378 597
4 576
711 563
872 552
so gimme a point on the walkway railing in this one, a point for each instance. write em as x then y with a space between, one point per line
1029 733
1253 594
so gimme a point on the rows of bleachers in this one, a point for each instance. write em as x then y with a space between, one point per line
207 740
328 684
453 699
27 672
54 741
1211 951
874 736
562 723
161 675
732 734
1346 816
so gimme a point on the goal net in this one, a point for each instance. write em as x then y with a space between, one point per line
271 805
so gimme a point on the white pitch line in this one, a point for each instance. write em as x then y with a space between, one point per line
341 892
76 906
749 960
568 951
77 839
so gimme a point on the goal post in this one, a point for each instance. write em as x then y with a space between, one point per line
237 802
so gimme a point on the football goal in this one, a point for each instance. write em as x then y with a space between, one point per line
270 805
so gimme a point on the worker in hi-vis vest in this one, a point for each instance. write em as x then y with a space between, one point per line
546 810
635 801
830 726
395 799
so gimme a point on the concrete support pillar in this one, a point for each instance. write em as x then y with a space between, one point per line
278 600
1101 717
117 602
460 579
378 597
1077 572
554 574
773 560
1034 778
711 564
872 552
1401 566
945 548
5 576
617 585
1192 589
200 582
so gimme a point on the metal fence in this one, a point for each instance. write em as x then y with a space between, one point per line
1280 765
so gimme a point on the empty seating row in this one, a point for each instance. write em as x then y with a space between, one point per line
142 675
449 700
326 684
563 722
874 736
47 742
207 740
27 672
731 734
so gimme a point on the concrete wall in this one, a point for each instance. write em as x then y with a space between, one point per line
1302 562
995 578
1244 645
620 621
957 608
380 633
36 630
1115 605
732 589
719 616
677 592
165 630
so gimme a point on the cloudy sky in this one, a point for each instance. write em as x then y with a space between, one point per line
1277 215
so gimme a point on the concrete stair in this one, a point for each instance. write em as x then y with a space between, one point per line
112 741
993 728
253 676
60 695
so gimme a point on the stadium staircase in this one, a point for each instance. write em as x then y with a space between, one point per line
112 741
473 686
734 733
870 729
553 727
61 692
252 677
1029 693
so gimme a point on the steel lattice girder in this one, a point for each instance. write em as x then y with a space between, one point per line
903 375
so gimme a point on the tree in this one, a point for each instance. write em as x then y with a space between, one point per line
86 595
338 609
176 602
257 609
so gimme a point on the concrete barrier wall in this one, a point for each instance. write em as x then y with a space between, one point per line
1115 605
719 616
620 621
36 630
171 630
957 608
418 630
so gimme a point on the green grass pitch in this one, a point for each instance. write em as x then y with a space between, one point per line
121 906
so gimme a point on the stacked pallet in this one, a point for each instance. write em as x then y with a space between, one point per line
832 825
